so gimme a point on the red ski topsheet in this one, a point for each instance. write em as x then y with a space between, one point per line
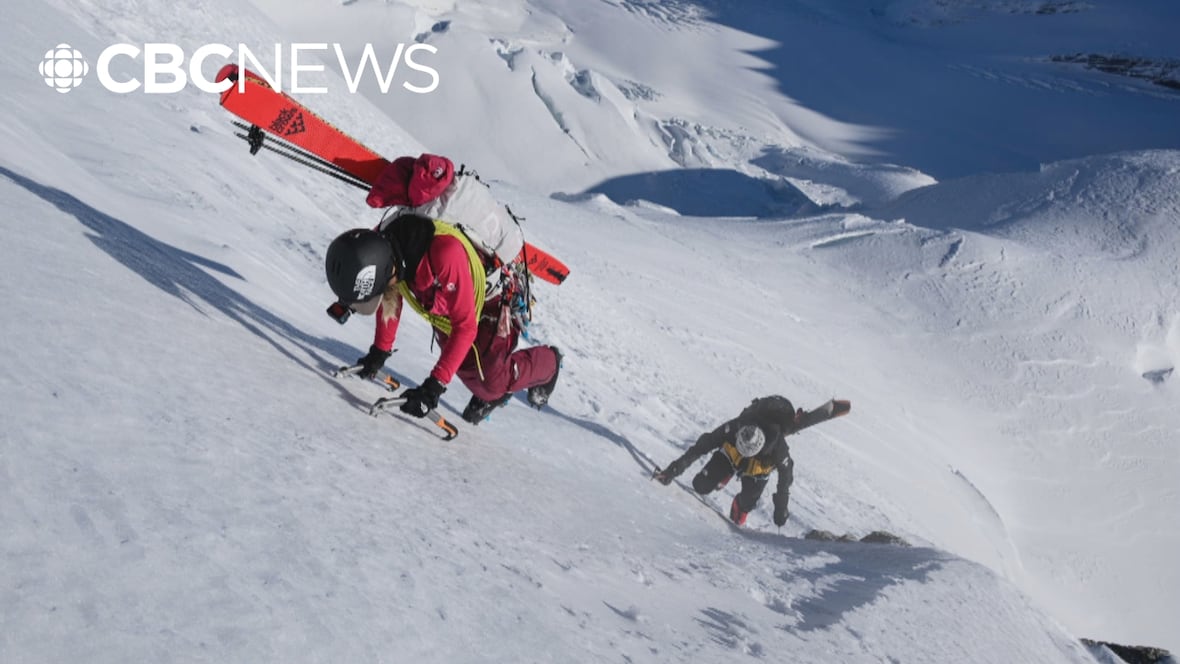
544 266
286 118
282 116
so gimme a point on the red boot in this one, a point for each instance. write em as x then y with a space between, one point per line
736 514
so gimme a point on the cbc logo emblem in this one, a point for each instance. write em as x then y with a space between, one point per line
63 68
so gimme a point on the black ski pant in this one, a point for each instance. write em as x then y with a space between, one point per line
717 472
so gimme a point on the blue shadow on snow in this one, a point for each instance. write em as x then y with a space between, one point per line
856 578
182 275
707 192
992 101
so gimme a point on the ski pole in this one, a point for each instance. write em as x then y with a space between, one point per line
256 141
256 138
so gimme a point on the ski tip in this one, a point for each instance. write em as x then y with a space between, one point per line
229 72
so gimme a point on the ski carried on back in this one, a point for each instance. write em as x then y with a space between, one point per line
280 115
831 409
277 122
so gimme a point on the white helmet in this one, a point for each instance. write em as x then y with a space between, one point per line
750 440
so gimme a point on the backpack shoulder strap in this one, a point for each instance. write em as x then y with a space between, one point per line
478 278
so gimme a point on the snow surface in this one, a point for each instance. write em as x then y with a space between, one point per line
748 196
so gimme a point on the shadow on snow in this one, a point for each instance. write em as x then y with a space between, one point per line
859 575
989 100
707 192
182 275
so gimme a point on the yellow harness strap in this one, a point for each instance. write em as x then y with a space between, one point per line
751 466
478 278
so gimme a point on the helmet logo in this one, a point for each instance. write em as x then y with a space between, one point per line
365 280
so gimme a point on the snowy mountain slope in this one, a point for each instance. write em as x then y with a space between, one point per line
197 489
610 89
617 87
1054 292
1054 433
200 492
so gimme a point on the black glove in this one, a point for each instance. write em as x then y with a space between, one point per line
372 363
424 398
668 474
780 509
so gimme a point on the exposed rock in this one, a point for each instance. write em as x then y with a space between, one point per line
1162 72
828 536
875 537
1133 654
883 537
1158 376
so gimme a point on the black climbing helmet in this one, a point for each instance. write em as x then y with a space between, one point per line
359 265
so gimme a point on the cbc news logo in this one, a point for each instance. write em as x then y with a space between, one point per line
63 68
168 68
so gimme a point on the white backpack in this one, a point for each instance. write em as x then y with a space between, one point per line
468 204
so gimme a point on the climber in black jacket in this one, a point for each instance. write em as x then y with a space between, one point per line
752 445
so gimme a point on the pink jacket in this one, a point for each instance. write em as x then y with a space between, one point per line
443 285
